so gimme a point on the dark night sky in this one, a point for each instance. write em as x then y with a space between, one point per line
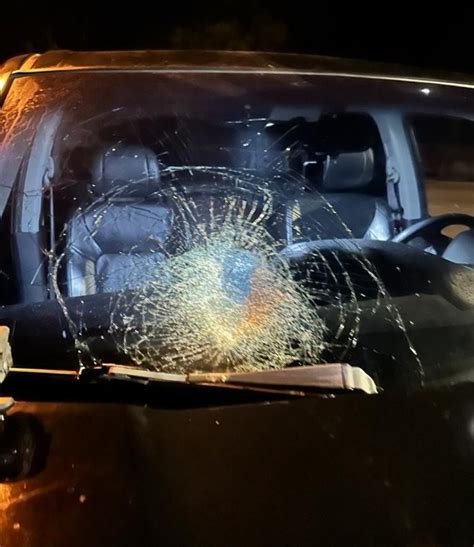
435 37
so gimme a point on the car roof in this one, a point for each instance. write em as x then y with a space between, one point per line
225 62
222 61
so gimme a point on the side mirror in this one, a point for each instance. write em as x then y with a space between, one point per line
23 444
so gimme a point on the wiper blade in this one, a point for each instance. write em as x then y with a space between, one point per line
296 380
292 381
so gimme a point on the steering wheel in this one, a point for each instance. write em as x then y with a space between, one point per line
431 227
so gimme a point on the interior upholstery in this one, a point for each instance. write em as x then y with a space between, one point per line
349 170
342 209
116 241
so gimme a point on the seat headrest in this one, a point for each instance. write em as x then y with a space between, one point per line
127 170
348 170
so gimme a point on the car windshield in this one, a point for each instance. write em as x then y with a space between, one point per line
214 221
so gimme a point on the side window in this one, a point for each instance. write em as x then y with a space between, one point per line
446 149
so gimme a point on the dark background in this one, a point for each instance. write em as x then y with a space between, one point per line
434 35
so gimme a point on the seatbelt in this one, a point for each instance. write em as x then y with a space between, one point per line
393 196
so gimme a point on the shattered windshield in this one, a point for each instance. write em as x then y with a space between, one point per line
233 222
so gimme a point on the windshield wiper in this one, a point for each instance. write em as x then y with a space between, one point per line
292 381
295 380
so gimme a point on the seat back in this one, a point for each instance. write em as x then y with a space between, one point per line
116 242
341 208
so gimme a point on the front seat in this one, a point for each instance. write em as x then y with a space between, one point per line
116 242
344 207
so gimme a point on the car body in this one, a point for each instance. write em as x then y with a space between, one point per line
185 227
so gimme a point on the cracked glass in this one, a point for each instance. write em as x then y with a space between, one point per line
186 222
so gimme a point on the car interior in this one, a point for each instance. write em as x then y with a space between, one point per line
337 179
107 213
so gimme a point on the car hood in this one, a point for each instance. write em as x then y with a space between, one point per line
349 470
